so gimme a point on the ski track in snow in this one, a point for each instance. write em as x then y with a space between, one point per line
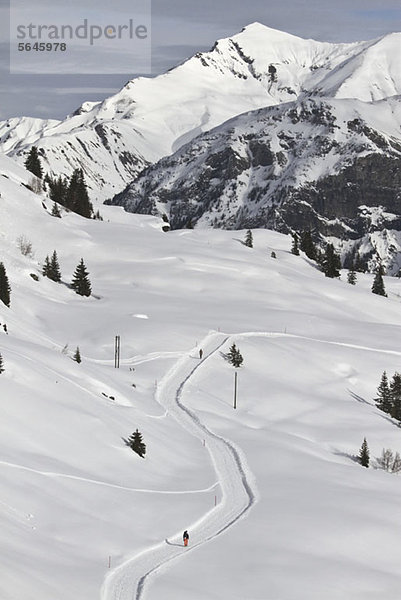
128 581
103 483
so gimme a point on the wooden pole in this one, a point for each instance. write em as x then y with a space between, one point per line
235 389
117 352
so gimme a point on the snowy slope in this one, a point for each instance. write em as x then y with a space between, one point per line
72 495
150 118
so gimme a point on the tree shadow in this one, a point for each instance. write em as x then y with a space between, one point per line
351 457
359 398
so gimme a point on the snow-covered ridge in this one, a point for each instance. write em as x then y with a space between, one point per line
149 118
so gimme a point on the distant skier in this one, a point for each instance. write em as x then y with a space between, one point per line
200 353
185 537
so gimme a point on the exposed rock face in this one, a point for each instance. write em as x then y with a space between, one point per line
303 165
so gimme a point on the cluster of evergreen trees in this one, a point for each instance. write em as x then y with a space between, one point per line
51 268
71 193
330 262
80 281
389 395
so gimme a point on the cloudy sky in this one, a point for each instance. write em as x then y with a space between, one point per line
179 29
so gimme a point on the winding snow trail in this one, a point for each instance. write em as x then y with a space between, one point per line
128 581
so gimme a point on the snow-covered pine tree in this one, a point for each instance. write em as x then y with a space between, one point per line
5 288
249 239
295 244
80 281
383 399
1 365
77 355
32 162
364 454
378 283
235 357
136 443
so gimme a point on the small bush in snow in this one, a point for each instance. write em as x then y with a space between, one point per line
25 246
390 462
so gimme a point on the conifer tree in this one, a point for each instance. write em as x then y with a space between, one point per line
307 245
351 276
378 283
359 265
295 244
249 239
1 365
54 268
77 195
364 454
234 356
55 210
57 189
383 399
5 288
80 281
32 162
136 443
77 355
46 267
395 393
331 262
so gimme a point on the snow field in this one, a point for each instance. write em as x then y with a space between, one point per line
72 494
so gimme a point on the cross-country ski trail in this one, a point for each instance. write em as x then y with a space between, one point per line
129 580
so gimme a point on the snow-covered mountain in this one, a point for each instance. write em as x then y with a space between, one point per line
271 492
149 118
315 163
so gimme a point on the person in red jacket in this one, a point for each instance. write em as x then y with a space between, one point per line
185 537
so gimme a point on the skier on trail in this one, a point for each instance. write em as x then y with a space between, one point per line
185 537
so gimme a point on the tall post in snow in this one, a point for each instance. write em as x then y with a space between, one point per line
235 389
117 352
